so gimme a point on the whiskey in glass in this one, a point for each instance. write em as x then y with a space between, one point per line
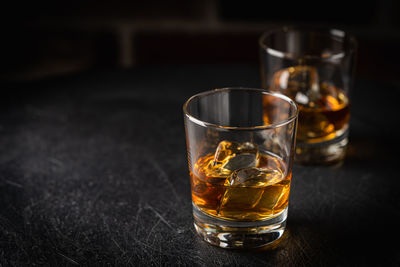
240 144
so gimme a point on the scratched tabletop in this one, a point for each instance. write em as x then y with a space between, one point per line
93 172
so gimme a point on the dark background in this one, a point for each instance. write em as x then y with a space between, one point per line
44 38
93 168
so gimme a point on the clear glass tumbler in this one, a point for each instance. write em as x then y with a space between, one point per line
240 145
315 68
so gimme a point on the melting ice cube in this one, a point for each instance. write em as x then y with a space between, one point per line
245 187
243 160
253 177
229 156
301 83
233 155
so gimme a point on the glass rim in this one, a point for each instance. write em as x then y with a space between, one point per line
234 128
333 32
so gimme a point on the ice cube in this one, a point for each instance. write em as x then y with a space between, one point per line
240 161
227 149
253 177
274 197
245 187
233 155
210 172
229 156
301 83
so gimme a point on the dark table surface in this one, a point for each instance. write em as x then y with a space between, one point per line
93 171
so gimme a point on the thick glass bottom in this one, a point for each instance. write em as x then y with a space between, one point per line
328 152
239 234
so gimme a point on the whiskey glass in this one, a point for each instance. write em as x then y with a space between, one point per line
314 67
240 148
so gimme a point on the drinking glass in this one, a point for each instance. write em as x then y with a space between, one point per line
240 148
314 67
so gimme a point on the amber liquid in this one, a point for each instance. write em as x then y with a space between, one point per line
323 108
324 122
245 203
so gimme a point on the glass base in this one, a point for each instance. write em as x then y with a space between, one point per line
236 234
329 152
